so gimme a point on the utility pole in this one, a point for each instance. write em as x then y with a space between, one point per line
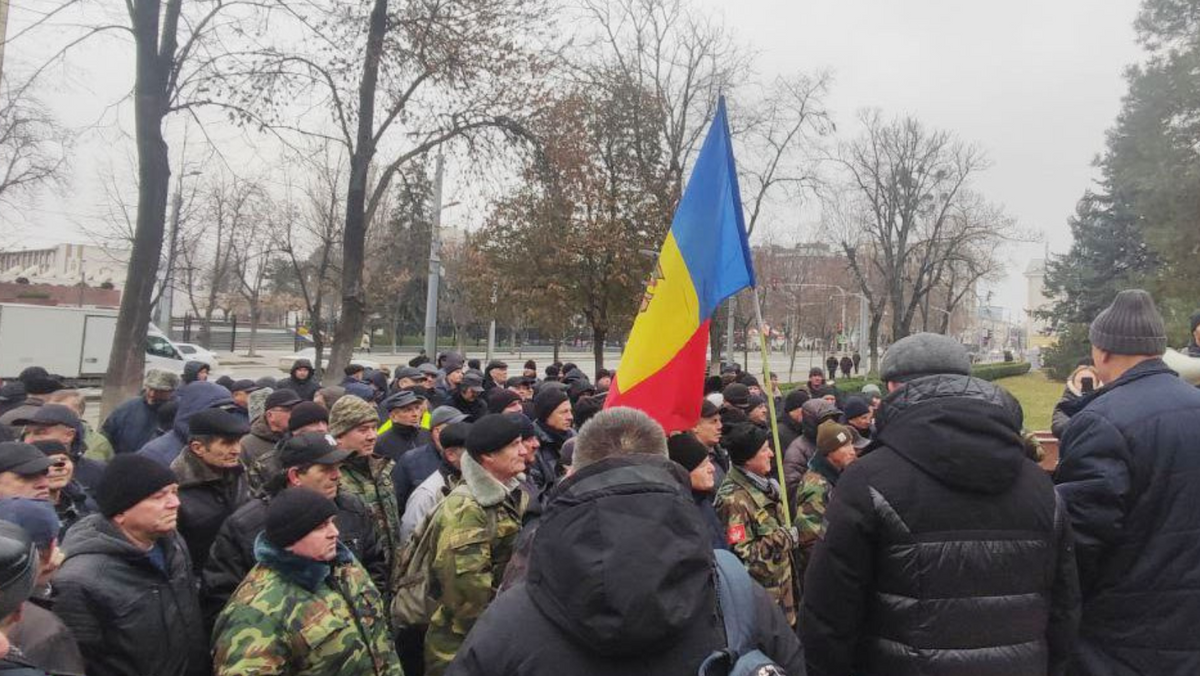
435 265
168 287
3 31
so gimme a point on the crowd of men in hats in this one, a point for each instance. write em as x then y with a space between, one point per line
450 519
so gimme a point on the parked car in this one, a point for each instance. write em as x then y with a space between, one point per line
193 352
286 361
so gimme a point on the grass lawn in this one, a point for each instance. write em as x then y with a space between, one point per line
1037 394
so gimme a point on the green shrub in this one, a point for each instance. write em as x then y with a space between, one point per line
981 371
1059 360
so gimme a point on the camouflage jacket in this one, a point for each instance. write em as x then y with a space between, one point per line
757 534
813 494
260 458
370 480
476 530
302 617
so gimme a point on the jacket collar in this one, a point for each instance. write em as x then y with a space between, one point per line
760 488
1150 367
488 491
192 471
821 465
262 430
305 572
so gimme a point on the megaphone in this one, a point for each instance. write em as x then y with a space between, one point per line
1187 367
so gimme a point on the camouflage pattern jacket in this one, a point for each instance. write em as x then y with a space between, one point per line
812 496
370 480
302 617
259 456
757 533
476 530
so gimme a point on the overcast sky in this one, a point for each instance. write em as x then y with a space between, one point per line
1035 83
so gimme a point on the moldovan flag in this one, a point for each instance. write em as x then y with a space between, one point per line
704 260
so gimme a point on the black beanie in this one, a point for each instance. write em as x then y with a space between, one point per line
128 479
307 413
492 433
744 441
687 450
547 400
499 399
795 399
737 395
296 512
1131 325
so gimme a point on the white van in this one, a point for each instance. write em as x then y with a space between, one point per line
72 342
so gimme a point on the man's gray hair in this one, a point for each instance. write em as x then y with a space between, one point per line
618 431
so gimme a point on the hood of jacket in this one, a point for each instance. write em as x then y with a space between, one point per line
591 572
301 364
195 397
812 413
963 431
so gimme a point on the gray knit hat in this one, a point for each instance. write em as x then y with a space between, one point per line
1131 325
924 354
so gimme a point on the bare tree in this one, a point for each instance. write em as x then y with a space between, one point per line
33 147
254 252
892 217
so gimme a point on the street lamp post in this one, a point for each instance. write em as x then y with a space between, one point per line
167 297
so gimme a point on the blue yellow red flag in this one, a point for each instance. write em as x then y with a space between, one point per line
704 260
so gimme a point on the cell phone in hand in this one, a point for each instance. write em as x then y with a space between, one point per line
1087 384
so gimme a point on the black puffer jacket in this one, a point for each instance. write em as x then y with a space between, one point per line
1130 476
232 553
305 389
400 439
946 551
598 601
130 617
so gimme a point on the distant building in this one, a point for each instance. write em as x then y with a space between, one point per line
1037 330
67 265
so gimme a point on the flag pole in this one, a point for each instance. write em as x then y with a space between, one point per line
766 378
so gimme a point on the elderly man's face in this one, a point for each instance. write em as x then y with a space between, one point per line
60 433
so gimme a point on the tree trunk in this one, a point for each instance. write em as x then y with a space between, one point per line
254 312
349 327
873 339
557 347
127 360
598 336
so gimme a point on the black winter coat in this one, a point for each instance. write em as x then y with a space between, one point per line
400 439
130 617
598 601
945 550
206 498
412 469
547 468
1129 474
131 425
305 389
473 409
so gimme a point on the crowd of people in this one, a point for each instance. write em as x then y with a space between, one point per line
451 518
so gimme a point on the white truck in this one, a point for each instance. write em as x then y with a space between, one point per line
71 342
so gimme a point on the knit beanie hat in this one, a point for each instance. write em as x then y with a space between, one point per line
296 512
924 354
1131 325
36 517
832 436
737 395
744 441
492 433
128 479
686 450
307 413
1194 320
872 390
350 412
856 406
499 399
795 399
547 401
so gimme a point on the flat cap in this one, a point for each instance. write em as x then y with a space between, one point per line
924 354
215 422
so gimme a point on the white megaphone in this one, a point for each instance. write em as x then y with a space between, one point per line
1187 367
